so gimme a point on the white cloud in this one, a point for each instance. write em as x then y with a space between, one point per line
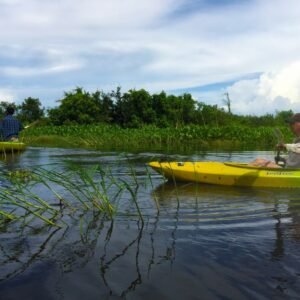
152 44
54 69
285 83
7 95
21 72
38 62
270 92
69 16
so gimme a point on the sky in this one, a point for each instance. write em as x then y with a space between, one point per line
247 48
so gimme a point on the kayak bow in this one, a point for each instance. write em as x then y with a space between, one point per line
228 173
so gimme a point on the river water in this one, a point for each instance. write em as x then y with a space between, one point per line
195 241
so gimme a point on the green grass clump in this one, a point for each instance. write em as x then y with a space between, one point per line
20 175
67 192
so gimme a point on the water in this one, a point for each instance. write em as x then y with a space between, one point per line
196 242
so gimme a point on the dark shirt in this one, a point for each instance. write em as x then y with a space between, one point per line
10 127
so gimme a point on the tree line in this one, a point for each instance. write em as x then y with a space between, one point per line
133 109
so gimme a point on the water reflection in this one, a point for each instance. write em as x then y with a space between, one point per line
227 209
97 245
231 203
10 160
278 251
105 264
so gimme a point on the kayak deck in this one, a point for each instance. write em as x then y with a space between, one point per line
231 174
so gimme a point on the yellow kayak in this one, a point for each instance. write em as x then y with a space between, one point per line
11 146
227 173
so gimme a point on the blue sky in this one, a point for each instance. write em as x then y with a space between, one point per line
248 48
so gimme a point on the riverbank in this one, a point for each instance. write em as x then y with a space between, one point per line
109 137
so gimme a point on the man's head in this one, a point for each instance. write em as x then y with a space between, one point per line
10 110
294 122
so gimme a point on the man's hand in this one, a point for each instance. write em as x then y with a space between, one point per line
281 146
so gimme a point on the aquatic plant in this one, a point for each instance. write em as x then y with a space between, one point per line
47 194
26 203
20 174
109 136
90 187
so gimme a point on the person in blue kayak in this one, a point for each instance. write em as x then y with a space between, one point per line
10 126
293 149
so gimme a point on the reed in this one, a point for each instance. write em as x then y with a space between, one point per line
133 193
86 186
75 190
20 201
152 186
6 216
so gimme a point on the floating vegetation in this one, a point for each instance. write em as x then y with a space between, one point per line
107 136
24 175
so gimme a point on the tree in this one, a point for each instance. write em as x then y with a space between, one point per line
227 102
134 109
161 108
106 106
174 110
211 115
77 106
188 108
282 116
30 110
81 107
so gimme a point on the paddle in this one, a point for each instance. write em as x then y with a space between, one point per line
31 124
278 159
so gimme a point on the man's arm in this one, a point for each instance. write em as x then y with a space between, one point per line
293 147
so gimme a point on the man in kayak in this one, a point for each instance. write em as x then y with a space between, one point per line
10 126
293 158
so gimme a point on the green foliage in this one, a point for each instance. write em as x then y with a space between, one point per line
30 110
134 108
282 116
81 107
110 136
97 120
20 174
138 108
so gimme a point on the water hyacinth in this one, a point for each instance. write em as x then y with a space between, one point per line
101 136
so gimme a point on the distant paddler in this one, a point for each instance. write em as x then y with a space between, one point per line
10 126
293 158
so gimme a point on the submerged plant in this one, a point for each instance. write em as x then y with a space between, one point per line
24 175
